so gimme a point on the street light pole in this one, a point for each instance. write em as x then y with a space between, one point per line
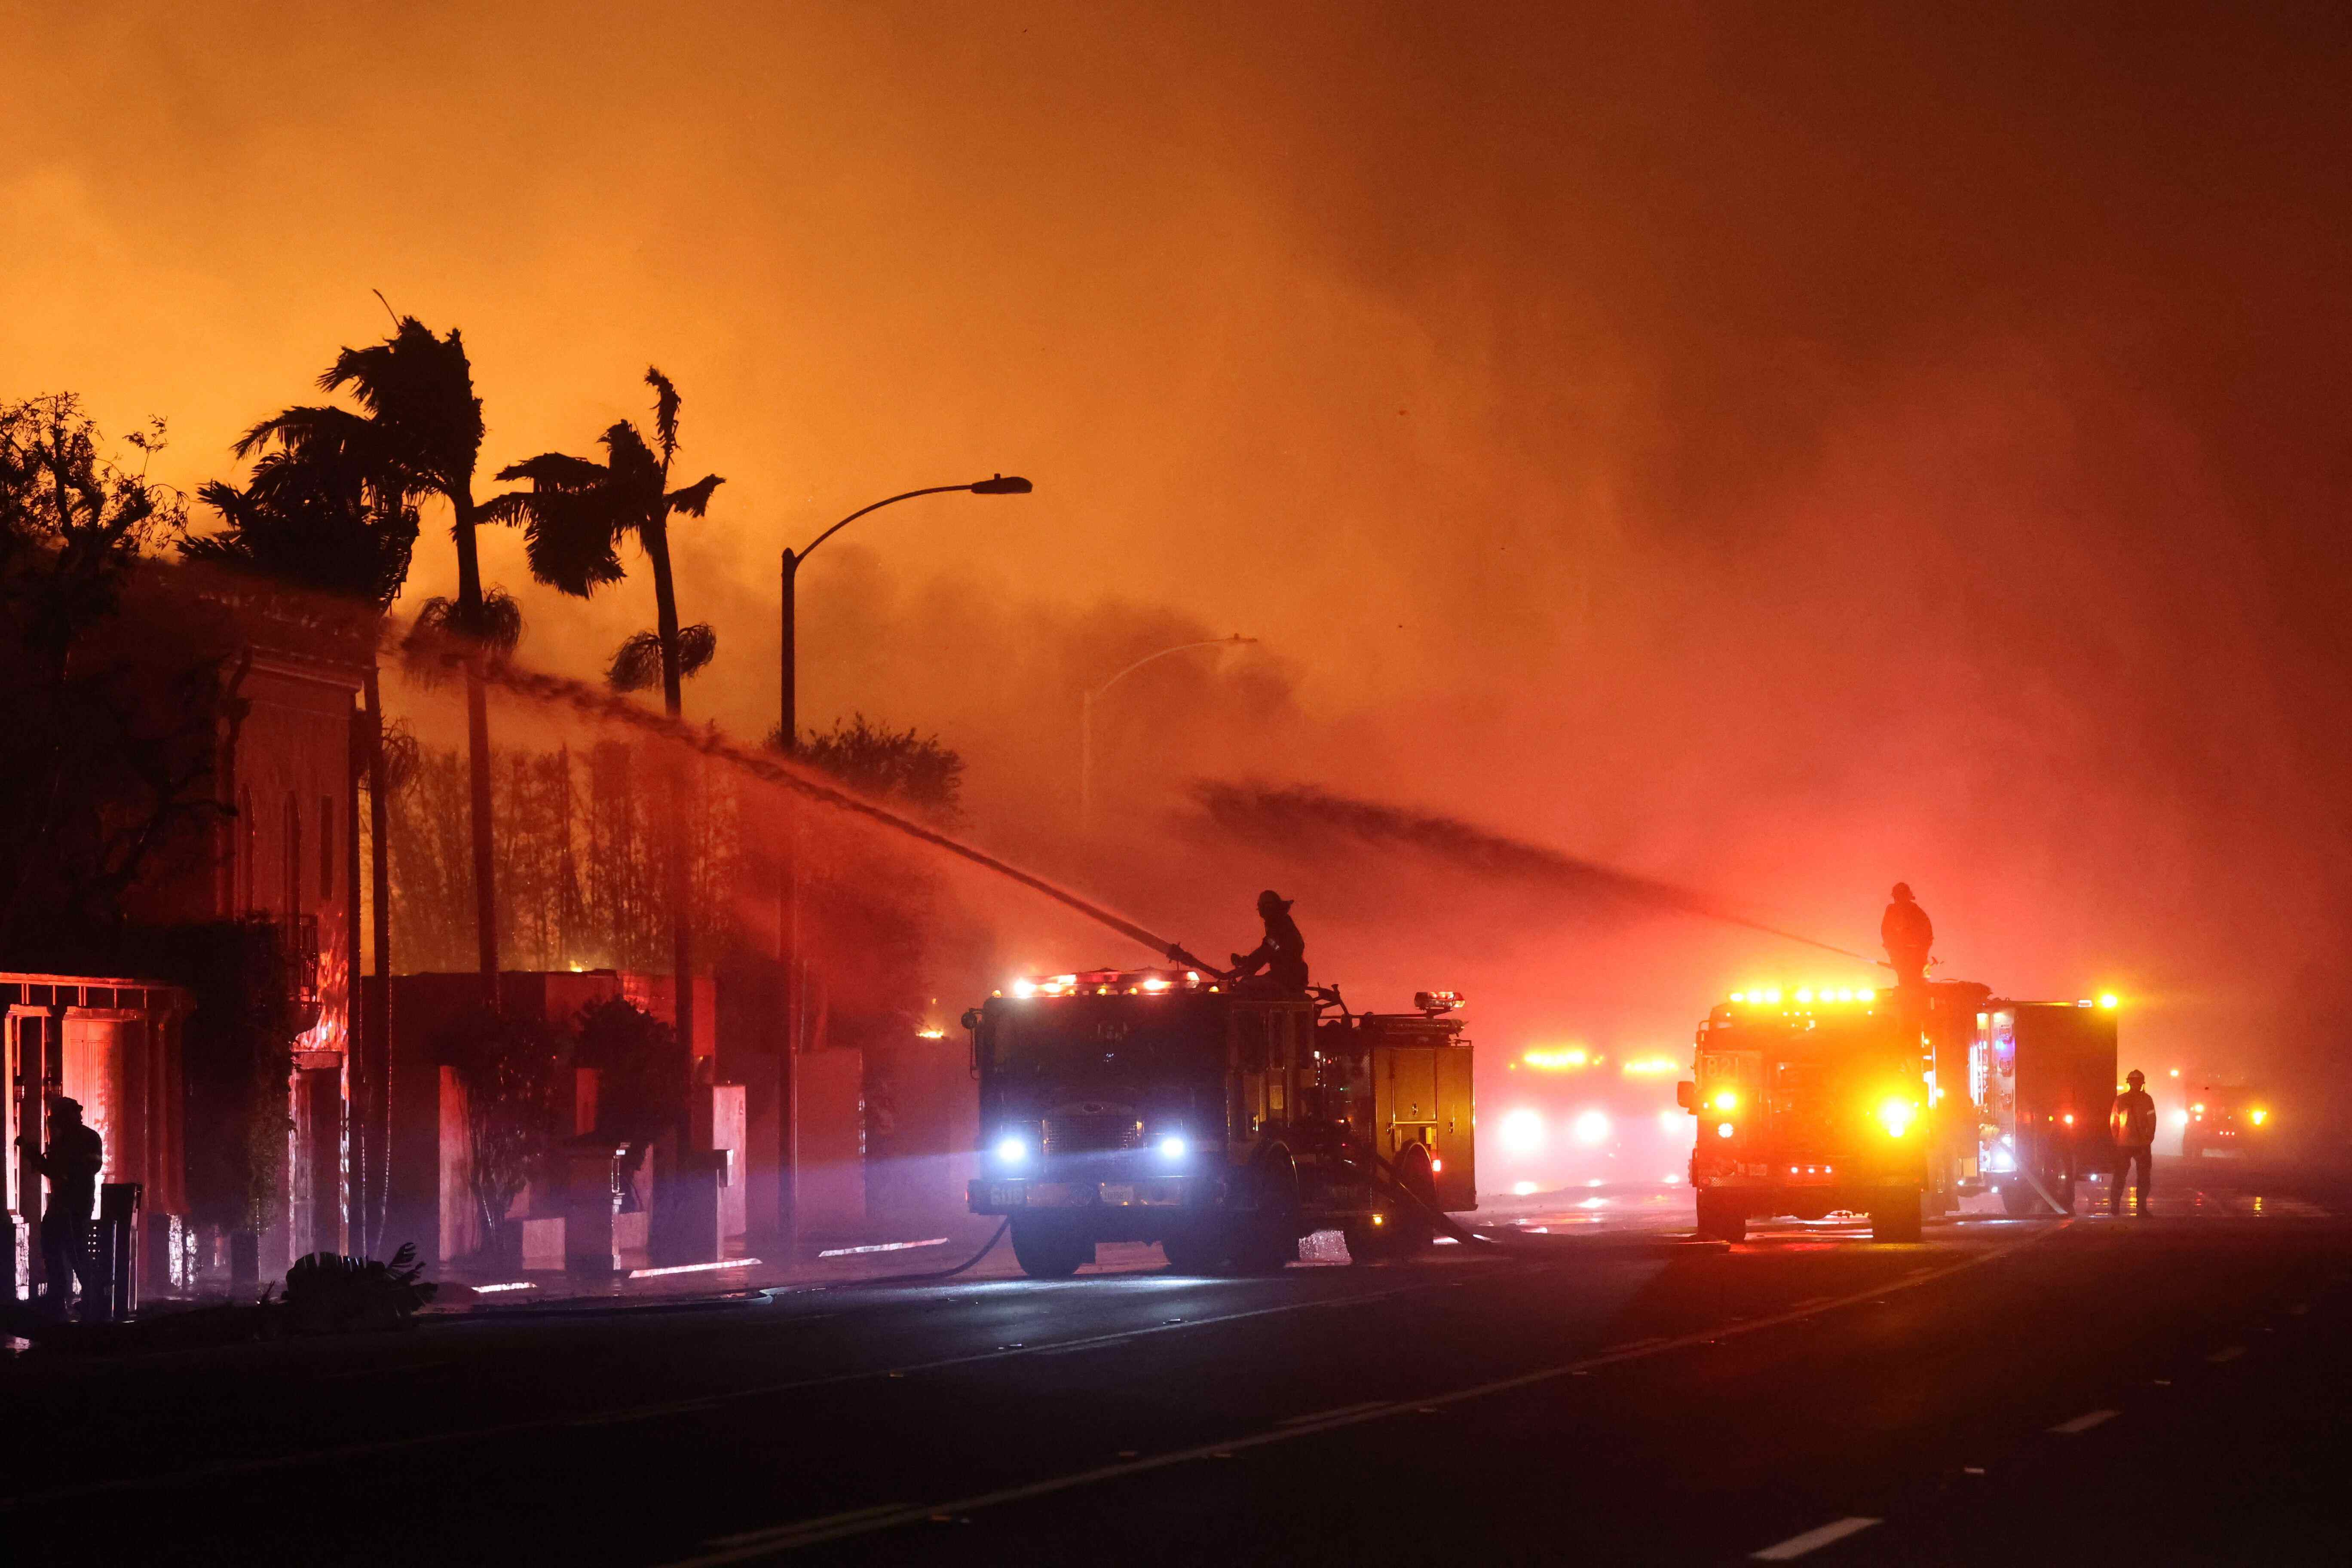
1086 720
788 879
995 485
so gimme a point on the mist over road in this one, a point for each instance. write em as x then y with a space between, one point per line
1984 1397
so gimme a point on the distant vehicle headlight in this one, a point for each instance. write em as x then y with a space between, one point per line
1012 1150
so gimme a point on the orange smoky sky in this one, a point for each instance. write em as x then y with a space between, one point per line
1776 449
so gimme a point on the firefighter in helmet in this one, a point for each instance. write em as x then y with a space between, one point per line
2132 1125
1283 953
1909 937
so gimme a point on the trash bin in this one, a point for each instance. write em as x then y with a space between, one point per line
117 1250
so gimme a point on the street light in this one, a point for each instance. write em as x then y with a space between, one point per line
788 867
994 485
1086 720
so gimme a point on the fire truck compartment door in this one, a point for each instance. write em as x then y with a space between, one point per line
1404 1085
1456 1146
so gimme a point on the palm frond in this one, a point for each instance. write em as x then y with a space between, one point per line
696 645
636 663
558 471
305 427
569 538
418 390
633 467
695 499
666 403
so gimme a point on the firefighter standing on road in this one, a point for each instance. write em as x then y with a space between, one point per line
1283 953
2132 1124
1909 937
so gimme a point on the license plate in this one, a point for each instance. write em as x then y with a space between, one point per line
1117 1192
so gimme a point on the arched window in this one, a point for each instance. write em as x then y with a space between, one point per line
326 847
293 857
245 844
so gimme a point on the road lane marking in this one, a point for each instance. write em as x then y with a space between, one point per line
2082 1423
808 1533
1812 1540
1360 1407
1311 1426
2227 1353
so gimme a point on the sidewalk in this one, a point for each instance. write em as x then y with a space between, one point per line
848 1260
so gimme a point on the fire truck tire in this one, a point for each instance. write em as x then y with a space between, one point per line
2018 1201
1720 1220
1267 1240
1049 1251
1367 1242
1199 1249
1415 1232
1894 1215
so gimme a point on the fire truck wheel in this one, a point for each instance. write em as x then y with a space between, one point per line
1367 1242
1196 1250
1894 1216
1415 1232
1048 1251
1267 1241
2017 1200
1720 1220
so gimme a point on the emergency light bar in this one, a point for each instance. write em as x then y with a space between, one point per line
1106 982
1436 1002
1804 995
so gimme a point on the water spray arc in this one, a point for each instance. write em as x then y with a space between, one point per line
613 708
1282 817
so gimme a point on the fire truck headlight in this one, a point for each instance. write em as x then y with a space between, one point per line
1895 1115
1727 1100
1012 1150
1523 1131
2258 1117
1173 1147
1723 1130
1591 1127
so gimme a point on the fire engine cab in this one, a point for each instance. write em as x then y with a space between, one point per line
1224 1123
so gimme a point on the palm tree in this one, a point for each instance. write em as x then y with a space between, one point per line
574 517
318 523
419 435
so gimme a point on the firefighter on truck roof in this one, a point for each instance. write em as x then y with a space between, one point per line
1283 953
1909 936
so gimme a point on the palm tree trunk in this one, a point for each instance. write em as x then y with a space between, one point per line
656 542
477 749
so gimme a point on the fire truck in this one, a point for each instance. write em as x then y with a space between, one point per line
2227 1118
1895 1103
1221 1121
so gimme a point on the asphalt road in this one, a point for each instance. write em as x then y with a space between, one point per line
2146 1390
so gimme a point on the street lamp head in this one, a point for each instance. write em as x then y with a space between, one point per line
1002 485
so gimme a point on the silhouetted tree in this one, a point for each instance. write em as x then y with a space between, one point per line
574 516
111 719
508 1065
419 433
895 766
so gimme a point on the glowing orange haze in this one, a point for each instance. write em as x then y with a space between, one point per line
1776 461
